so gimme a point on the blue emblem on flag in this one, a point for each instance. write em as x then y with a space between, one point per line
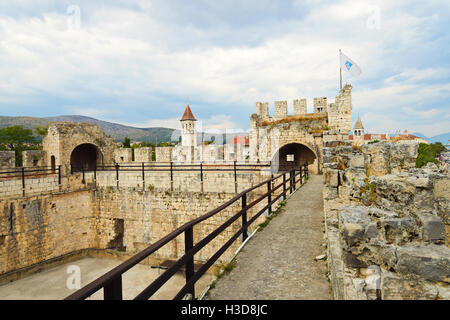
348 64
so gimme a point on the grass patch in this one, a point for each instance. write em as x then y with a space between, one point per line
223 269
272 215
304 117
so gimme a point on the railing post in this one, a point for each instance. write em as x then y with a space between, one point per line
95 175
188 245
143 176
113 290
171 176
83 181
284 186
117 175
293 176
290 182
235 177
59 177
301 176
201 177
23 181
244 217
269 197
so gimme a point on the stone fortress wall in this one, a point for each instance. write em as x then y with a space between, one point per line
269 134
387 223
36 229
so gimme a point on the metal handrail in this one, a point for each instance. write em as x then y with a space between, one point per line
111 282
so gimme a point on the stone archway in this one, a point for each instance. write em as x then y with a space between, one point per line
292 155
85 156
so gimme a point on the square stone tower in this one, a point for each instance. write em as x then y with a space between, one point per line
340 112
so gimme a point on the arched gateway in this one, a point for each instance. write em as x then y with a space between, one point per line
292 156
74 146
85 157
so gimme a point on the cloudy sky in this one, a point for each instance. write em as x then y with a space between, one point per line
139 62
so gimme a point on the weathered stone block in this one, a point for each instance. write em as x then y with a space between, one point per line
433 228
396 287
352 261
353 233
399 230
356 161
431 262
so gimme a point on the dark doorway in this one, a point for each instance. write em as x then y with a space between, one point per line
84 157
117 241
292 156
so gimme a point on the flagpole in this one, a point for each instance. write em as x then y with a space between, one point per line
340 70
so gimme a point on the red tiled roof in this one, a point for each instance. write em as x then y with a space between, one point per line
244 140
406 137
188 115
370 136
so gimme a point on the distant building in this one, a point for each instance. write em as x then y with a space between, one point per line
190 151
188 133
360 137
239 144
406 138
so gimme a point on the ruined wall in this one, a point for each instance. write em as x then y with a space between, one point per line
164 154
35 229
148 216
122 155
387 223
7 159
34 158
143 154
63 137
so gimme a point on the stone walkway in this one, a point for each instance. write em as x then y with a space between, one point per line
278 262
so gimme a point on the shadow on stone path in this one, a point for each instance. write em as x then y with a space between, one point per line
278 262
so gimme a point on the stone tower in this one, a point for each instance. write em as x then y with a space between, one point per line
358 128
188 133
340 112
358 131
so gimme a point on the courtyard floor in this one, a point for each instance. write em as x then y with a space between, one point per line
51 284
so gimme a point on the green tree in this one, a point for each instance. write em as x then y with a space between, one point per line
126 143
41 131
426 153
437 148
17 138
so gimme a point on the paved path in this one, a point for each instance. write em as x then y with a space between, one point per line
278 262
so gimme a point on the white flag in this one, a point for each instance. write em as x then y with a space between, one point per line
349 65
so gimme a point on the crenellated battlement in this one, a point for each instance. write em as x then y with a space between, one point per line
338 112
281 108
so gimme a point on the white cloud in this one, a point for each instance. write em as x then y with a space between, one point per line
124 53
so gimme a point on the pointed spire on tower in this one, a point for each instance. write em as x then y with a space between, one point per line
358 124
188 115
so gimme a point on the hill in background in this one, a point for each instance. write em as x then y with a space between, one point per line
115 130
443 138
